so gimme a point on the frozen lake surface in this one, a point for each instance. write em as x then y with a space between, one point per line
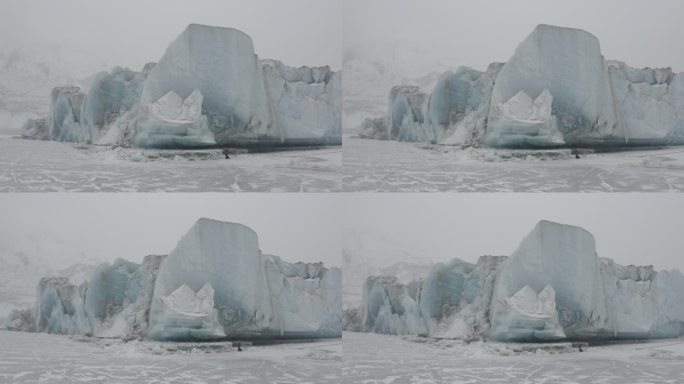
391 166
48 166
372 358
44 358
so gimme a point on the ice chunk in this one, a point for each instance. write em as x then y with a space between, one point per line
306 298
221 64
255 297
528 316
407 114
305 102
118 296
227 256
391 307
65 120
20 320
374 128
453 301
36 129
188 315
459 104
564 257
111 103
59 307
521 121
173 122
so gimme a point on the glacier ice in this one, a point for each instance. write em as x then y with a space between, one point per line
173 122
215 284
553 287
233 98
65 119
118 296
527 315
556 90
186 314
256 296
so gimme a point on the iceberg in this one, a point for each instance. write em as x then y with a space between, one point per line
209 88
553 287
66 115
215 284
556 90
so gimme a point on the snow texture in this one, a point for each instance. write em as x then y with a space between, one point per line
393 166
209 88
553 287
80 359
48 166
556 90
371 358
214 284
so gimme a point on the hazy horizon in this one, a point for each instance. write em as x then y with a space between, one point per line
130 33
477 33
106 226
640 229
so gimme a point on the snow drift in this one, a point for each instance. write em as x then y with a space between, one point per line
556 90
209 88
554 286
214 284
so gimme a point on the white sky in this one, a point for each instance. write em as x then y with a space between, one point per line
638 229
477 32
134 32
296 227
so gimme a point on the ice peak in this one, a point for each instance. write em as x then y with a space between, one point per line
204 222
548 28
201 28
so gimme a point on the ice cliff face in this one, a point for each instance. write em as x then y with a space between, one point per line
556 90
235 99
552 287
214 284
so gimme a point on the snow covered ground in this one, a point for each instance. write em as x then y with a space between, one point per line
44 166
390 166
44 358
372 358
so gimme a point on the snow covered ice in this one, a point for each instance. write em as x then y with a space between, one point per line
214 284
553 287
48 166
373 358
556 90
393 166
209 88
40 357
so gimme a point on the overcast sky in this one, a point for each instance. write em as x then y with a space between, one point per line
134 32
296 227
638 229
477 32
